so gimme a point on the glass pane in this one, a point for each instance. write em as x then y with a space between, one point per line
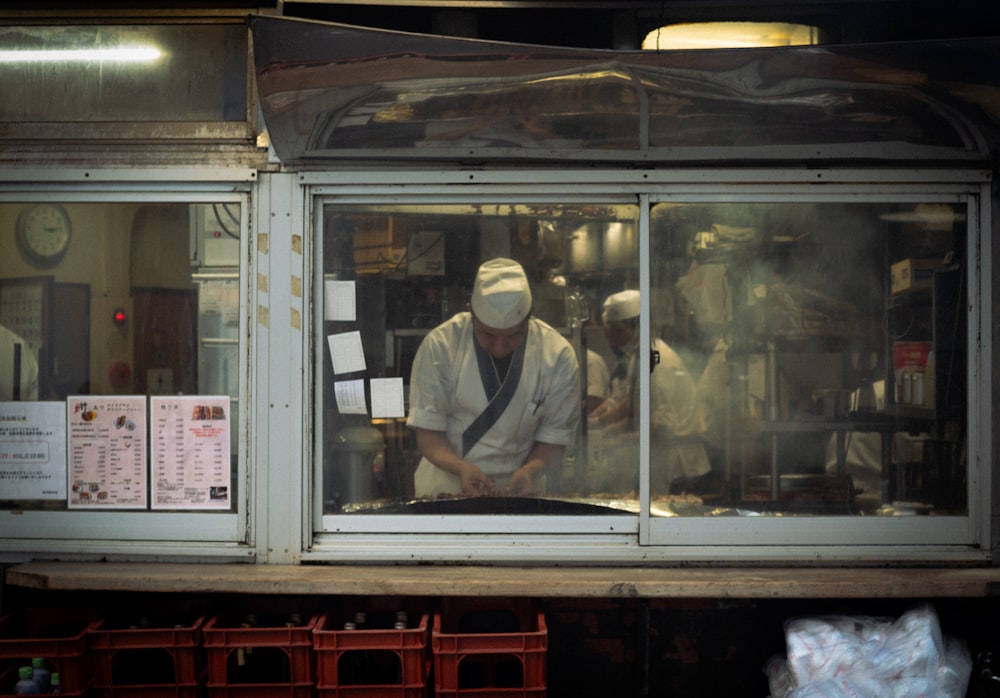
400 343
100 302
812 358
331 91
124 73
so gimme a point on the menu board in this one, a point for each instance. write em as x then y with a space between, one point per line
189 443
106 442
33 450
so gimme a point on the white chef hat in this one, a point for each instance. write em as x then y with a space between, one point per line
623 305
501 297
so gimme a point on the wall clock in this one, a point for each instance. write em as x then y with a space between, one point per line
43 234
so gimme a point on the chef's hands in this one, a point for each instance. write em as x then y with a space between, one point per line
474 480
435 447
609 412
476 483
522 482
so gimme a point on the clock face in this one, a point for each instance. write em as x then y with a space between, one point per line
43 233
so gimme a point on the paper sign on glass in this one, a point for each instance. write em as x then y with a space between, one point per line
346 352
350 397
189 443
33 450
107 451
339 301
387 397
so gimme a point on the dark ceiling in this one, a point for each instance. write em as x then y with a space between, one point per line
607 24
601 24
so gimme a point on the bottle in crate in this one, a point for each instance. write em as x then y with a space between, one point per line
26 684
260 656
59 635
41 674
381 659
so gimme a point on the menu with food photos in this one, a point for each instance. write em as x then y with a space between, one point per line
189 446
106 451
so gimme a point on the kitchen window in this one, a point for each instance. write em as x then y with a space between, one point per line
802 369
123 371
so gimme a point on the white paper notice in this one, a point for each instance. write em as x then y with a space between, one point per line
387 397
339 301
350 397
346 352
189 442
33 450
107 451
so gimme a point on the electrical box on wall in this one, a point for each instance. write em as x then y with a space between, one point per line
425 253
215 235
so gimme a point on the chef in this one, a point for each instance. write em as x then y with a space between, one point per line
677 452
494 393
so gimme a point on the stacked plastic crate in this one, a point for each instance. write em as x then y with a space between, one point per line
57 635
489 649
259 655
148 656
372 653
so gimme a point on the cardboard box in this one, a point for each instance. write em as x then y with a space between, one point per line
912 274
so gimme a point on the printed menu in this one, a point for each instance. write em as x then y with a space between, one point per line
33 450
106 443
189 443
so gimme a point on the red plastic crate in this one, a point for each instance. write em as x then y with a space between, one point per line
149 691
57 634
9 677
471 659
381 648
169 656
278 658
274 690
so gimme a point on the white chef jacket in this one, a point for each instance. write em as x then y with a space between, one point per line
447 394
598 378
676 446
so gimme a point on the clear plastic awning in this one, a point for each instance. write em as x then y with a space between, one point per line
334 92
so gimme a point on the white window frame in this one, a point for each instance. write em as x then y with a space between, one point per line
71 534
642 538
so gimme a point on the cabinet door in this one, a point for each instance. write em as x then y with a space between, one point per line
166 324
70 340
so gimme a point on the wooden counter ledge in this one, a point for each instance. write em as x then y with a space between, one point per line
580 582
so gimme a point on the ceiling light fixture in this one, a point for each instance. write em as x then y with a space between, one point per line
121 54
709 35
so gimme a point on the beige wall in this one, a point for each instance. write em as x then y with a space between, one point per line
100 255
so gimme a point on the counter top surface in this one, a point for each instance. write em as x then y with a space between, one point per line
452 580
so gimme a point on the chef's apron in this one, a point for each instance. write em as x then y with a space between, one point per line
428 478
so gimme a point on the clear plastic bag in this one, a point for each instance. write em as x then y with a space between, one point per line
868 657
